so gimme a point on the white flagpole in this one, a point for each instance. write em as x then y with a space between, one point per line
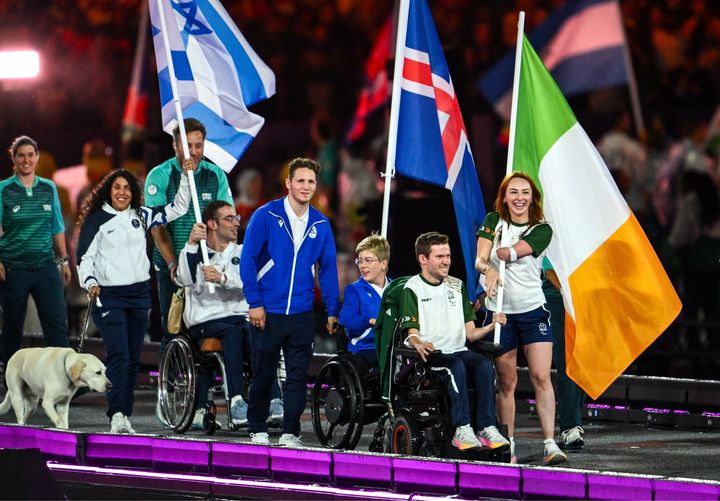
509 167
183 135
394 110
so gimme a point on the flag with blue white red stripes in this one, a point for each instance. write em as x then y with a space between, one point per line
583 46
218 75
432 142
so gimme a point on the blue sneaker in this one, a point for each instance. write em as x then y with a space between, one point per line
238 412
275 416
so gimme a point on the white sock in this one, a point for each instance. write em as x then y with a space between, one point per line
549 441
236 398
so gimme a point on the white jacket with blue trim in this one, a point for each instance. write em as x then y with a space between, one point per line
112 248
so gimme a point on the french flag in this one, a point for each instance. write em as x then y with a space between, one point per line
217 71
432 142
583 46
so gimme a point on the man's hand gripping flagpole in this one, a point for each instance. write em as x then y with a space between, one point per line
504 242
183 135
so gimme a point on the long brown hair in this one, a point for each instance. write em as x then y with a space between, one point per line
535 211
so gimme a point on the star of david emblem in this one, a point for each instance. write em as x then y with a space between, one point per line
188 10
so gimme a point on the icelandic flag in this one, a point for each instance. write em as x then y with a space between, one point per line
432 143
218 75
583 46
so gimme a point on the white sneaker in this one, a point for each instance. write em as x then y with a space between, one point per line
199 418
261 438
553 454
276 412
128 426
290 440
118 423
571 439
491 438
465 439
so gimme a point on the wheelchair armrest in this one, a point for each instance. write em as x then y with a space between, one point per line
407 352
413 354
488 347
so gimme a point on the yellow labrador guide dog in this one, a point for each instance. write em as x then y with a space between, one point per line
53 374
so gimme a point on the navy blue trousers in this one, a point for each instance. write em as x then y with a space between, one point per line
570 397
45 286
294 334
122 320
457 371
235 334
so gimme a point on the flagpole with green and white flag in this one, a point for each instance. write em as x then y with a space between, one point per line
505 237
618 298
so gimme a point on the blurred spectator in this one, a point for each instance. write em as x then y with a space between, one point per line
249 189
622 152
79 180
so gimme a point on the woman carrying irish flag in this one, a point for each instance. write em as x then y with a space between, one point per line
518 211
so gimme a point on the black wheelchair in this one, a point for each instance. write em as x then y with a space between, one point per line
345 398
405 398
181 364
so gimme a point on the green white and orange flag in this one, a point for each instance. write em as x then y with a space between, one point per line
618 298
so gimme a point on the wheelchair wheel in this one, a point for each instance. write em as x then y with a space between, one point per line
178 384
334 406
360 414
406 437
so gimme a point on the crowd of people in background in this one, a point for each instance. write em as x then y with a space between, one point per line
669 174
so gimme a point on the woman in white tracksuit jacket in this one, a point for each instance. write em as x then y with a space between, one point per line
114 268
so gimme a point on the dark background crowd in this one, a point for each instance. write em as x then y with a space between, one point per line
317 49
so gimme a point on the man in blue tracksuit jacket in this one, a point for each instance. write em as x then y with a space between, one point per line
287 241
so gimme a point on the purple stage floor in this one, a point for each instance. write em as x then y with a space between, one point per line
621 460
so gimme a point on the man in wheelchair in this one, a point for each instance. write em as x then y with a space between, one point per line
438 318
221 314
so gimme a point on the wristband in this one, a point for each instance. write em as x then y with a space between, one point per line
63 260
513 255
407 339
172 263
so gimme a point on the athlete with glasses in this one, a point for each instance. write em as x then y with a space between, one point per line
362 297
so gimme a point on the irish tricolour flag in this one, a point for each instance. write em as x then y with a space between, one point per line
617 295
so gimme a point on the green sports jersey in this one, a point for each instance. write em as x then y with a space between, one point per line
162 184
30 217
538 237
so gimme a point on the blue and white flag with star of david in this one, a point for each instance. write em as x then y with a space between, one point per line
218 75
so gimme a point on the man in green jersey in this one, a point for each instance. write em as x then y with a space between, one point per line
161 185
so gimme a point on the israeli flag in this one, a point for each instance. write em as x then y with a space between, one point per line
218 75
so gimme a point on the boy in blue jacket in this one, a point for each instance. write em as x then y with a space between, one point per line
361 302
286 243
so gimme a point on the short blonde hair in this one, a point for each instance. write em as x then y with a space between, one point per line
375 244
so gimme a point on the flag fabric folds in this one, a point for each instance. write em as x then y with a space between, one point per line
582 44
376 92
432 143
618 297
134 119
218 75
